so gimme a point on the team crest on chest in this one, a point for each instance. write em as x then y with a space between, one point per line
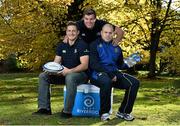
116 50
86 50
100 45
75 50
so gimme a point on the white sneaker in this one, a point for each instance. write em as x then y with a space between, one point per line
105 117
125 116
120 115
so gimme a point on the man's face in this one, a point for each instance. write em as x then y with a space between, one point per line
107 33
72 32
89 21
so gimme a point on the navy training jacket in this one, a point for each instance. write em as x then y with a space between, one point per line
104 57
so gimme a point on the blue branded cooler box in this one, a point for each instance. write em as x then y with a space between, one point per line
87 101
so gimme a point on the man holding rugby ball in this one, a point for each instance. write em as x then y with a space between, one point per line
74 56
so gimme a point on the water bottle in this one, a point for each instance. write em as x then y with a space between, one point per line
132 59
136 56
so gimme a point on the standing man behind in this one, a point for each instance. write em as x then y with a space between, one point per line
74 56
105 62
90 28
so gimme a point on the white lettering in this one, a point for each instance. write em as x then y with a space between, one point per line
88 111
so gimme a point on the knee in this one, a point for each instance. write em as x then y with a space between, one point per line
136 84
43 75
70 77
105 82
70 80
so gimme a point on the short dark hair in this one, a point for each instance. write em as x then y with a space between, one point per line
72 23
89 11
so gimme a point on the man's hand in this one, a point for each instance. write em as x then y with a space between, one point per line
65 39
119 33
116 41
114 79
66 71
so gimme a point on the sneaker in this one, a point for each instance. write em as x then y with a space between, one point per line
65 115
105 117
43 112
125 116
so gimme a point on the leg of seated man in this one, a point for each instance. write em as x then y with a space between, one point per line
105 84
44 89
131 85
72 80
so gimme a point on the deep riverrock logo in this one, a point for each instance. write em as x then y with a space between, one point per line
88 101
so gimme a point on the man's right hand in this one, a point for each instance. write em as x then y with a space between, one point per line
65 39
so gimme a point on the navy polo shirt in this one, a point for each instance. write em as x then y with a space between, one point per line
89 35
71 54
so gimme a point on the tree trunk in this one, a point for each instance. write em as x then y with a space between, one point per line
153 51
155 35
74 12
157 28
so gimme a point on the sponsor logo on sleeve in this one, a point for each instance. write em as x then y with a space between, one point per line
83 34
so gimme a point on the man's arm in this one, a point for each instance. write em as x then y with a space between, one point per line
119 33
84 57
120 62
83 66
84 60
57 59
65 40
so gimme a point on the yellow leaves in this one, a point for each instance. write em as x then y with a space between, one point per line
36 24
171 56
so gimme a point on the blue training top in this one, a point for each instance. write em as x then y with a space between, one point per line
104 57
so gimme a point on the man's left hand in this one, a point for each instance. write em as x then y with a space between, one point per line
66 71
115 42
114 79
118 35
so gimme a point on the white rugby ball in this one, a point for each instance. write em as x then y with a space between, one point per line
53 67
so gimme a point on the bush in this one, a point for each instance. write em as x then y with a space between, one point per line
11 63
176 84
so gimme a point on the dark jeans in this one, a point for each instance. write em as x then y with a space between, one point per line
124 81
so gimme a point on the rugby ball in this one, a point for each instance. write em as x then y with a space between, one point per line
53 67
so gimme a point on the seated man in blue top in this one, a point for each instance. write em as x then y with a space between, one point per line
74 56
105 62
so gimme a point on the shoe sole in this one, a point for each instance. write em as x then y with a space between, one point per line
105 119
118 116
122 117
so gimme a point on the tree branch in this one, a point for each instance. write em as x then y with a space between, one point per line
142 30
8 24
166 15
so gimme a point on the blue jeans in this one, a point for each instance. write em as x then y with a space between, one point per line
124 81
71 80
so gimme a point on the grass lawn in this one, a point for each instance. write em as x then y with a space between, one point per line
158 103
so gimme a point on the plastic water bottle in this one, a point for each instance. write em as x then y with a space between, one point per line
136 56
132 59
